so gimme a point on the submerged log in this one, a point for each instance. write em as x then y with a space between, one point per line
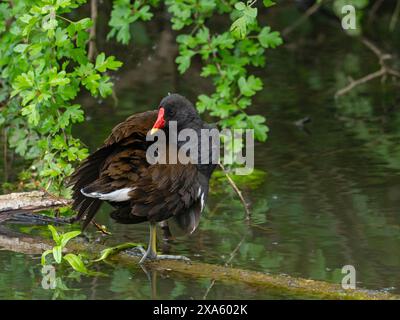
291 286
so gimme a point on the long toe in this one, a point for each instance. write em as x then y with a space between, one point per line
172 257
148 255
137 251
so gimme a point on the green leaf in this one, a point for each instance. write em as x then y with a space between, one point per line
76 263
247 17
240 6
20 48
23 81
72 114
32 113
208 70
239 28
57 254
103 64
184 59
43 258
114 250
105 87
269 39
54 233
49 23
250 13
63 3
257 123
68 236
203 35
59 79
268 3
83 24
205 103
26 18
250 86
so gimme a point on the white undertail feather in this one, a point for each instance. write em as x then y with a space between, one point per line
116 196
200 194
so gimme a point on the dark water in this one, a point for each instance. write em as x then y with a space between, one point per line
322 198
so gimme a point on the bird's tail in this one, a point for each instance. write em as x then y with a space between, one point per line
85 174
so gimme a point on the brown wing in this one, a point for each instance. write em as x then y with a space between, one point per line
132 131
155 192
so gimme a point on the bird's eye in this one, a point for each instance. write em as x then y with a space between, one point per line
171 112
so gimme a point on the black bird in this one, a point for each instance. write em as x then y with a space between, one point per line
119 173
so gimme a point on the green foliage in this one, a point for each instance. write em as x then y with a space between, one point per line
226 56
123 14
61 241
43 67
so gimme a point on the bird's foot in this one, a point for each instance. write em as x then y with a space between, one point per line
171 257
137 251
151 256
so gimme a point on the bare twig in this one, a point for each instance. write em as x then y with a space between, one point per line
385 70
65 19
310 11
355 83
92 32
238 192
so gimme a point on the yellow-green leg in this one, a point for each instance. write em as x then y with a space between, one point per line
151 252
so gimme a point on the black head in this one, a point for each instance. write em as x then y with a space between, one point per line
175 107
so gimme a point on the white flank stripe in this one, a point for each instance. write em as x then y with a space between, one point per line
116 196
202 201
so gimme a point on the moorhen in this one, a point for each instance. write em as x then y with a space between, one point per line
119 173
